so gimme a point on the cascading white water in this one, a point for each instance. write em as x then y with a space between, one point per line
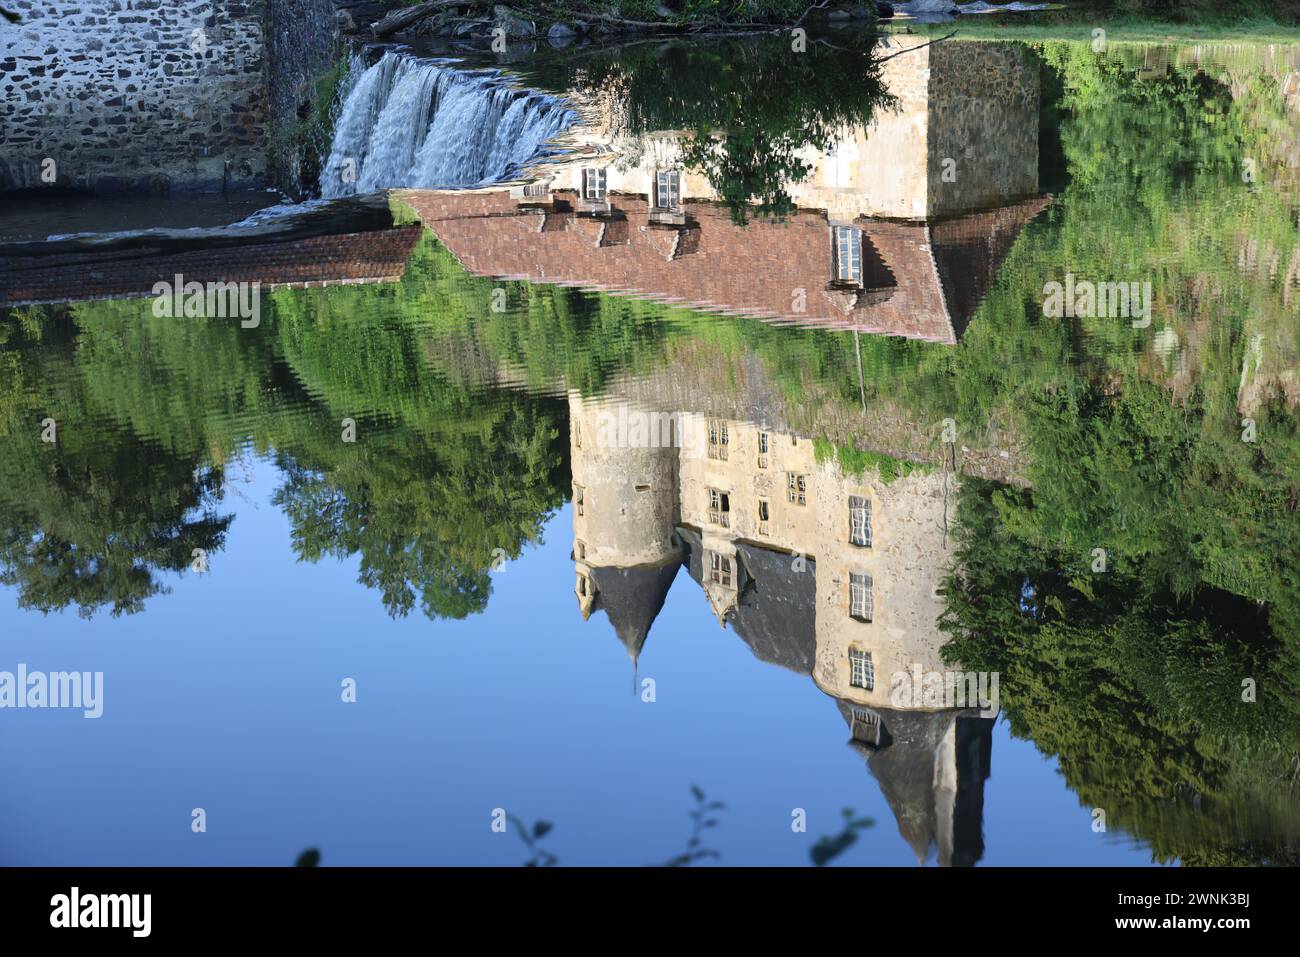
417 123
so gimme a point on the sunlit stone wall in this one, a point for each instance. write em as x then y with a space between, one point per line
152 94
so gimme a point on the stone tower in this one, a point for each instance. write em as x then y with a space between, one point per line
625 509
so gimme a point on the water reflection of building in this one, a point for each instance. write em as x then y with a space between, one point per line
827 574
900 229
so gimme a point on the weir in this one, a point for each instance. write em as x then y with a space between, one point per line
406 122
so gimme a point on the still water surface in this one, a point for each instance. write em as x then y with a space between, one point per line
675 466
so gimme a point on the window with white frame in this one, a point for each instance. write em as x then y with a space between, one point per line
763 527
862 673
860 596
719 569
796 488
846 249
593 184
579 499
719 508
668 189
763 447
719 439
860 521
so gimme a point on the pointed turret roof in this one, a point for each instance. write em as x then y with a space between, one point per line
905 764
904 767
632 598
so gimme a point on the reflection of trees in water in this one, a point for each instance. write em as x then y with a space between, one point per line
428 515
1133 677
442 486
1136 690
93 518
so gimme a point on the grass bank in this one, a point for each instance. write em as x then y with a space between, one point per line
1128 23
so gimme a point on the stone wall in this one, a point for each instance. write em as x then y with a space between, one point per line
153 94
302 39
983 126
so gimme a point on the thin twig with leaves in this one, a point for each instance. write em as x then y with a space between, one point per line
701 814
829 847
531 836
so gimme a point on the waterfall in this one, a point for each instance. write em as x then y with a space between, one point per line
411 122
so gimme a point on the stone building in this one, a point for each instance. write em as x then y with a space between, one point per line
624 516
825 573
961 137
900 227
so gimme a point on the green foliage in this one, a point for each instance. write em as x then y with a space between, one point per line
831 846
1133 677
750 106
95 518
1135 691
532 837
703 817
295 148
858 463
308 858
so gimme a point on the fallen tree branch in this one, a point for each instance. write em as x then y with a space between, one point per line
810 10
640 24
400 19
919 46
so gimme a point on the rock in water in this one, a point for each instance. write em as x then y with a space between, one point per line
513 25
560 35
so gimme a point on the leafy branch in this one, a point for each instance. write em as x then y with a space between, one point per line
702 816
531 838
829 847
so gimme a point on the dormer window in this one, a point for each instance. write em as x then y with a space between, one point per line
719 508
719 569
846 253
668 189
859 521
582 587
866 726
593 184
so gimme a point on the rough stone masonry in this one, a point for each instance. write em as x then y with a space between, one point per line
134 94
